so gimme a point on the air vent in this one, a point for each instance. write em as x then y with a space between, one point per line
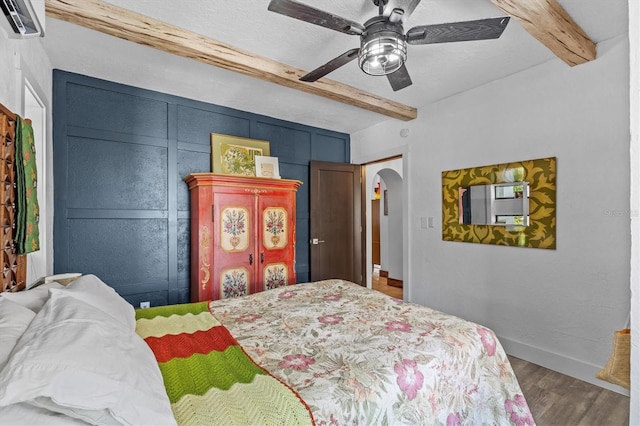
21 19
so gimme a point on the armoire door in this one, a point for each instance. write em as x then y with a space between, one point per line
234 245
276 240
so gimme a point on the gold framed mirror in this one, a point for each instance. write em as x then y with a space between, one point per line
515 205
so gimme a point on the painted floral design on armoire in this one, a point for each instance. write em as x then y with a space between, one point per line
242 234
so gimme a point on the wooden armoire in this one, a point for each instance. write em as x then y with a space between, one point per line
242 234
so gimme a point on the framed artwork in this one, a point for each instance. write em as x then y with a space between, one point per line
267 167
233 155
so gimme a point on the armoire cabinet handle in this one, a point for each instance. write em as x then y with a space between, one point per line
250 259
262 257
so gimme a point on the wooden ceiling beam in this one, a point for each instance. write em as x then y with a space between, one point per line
548 22
141 29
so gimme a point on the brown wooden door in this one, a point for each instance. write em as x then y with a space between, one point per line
337 240
375 232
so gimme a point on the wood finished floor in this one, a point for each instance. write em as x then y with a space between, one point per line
554 398
557 399
380 284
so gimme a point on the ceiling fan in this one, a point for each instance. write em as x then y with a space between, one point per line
383 42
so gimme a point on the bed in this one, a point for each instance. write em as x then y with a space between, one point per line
325 353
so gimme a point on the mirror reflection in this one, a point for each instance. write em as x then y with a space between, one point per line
502 204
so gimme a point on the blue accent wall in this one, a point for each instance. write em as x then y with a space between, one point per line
121 206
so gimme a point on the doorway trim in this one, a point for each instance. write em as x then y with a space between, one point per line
401 151
35 105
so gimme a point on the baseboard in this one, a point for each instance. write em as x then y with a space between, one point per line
384 274
394 282
562 364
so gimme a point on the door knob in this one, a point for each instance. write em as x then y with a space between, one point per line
316 241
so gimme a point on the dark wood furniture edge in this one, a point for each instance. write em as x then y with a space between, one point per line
7 238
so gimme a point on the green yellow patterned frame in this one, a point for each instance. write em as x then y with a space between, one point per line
541 232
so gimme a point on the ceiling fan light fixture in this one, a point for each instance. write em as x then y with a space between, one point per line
383 42
382 53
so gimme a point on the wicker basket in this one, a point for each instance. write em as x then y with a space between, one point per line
618 367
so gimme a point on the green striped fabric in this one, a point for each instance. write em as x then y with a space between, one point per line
207 375
167 311
216 369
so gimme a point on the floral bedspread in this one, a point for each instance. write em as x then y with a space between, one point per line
357 356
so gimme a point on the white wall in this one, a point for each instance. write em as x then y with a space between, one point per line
20 61
394 166
634 49
558 308
391 224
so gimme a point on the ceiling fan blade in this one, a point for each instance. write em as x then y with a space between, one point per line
332 65
399 79
309 14
482 29
407 6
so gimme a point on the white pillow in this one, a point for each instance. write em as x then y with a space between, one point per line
27 414
74 360
33 299
14 320
90 289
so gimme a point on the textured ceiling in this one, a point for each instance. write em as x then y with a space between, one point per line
437 71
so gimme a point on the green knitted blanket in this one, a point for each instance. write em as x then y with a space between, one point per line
27 234
207 375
